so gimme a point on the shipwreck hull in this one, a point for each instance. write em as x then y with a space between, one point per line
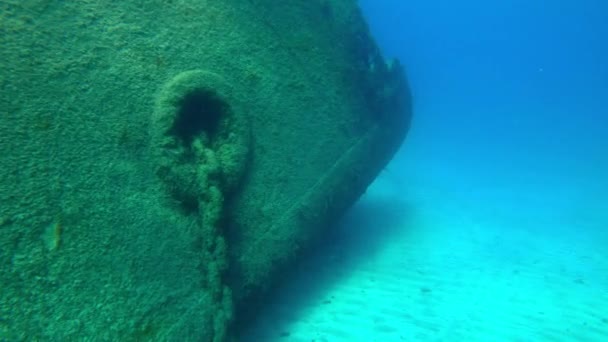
162 161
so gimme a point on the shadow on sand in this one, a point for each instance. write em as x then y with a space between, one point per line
358 237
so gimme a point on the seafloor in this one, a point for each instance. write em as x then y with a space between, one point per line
459 249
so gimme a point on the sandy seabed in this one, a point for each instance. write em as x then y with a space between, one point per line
463 254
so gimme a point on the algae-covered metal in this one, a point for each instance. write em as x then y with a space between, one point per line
162 161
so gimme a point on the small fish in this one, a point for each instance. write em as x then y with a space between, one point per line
52 234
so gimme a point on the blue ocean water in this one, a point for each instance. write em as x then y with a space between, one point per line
491 224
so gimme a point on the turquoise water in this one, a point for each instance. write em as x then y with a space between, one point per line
491 224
